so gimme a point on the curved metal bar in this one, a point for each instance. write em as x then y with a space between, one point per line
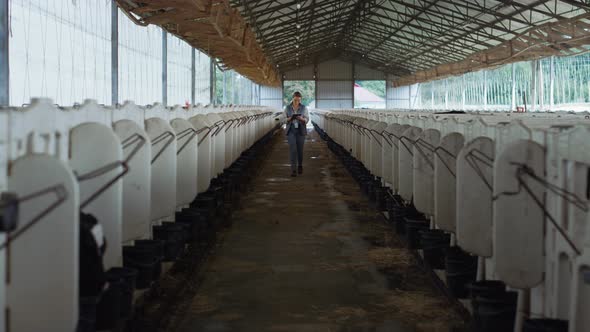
61 196
160 138
191 132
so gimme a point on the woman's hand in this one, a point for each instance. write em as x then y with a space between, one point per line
302 119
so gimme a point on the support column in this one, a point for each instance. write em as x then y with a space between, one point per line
315 78
224 100
353 82
258 96
164 68
283 92
4 55
114 53
409 96
446 94
551 83
431 95
513 83
485 90
534 85
193 73
541 85
232 81
212 82
463 92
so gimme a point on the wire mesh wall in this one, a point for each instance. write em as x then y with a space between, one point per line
60 49
140 62
523 77
233 88
454 92
499 88
572 80
202 78
179 71
474 90
560 83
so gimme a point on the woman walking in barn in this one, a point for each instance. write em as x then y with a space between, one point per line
297 118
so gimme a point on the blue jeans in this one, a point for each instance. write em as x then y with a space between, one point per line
295 149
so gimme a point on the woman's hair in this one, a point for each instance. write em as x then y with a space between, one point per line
296 94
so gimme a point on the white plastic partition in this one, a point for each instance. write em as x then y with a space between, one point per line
46 286
95 169
204 159
229 138
218 146
406 162
377 147
163 165
525 249
423 176
571 258
518 250
74 158
137 182
42 281
186 162
474 196
445 181
4 121
395 153
128 124
386 154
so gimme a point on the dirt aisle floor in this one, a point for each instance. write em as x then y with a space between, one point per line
309 254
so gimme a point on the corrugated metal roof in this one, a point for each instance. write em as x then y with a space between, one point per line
394 36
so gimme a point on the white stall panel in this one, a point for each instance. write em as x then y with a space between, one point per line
406 162
204 159
137 182
518 219
186 162
445 181
474 196
424 170
163 163
96 167
42 284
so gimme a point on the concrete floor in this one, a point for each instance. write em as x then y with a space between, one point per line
309 254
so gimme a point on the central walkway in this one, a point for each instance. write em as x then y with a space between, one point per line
309 254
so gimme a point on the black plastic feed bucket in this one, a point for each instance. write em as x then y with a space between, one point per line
129 277
545 325
110 304
173 235
205 201
146 259
380 194
87 314
433 243
413 230
488 288
461 270
496 312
